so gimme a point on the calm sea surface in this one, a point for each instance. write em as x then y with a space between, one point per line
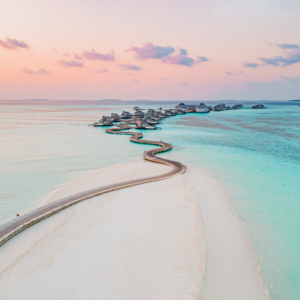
255 155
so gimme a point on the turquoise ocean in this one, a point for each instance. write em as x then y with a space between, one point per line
254 154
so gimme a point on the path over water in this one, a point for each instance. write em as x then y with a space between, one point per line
14 227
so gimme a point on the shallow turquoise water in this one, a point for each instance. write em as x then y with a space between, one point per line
255 154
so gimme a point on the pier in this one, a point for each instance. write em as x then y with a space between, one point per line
12 228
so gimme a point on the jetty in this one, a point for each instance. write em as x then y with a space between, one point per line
12 228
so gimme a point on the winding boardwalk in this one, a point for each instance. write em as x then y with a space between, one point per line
9 230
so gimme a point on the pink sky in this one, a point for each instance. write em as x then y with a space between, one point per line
160 50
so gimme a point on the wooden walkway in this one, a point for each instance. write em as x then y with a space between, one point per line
10 229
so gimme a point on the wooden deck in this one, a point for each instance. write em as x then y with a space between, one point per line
12 228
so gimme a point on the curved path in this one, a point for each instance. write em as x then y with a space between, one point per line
9 230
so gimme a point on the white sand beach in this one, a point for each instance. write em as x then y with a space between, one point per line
178 238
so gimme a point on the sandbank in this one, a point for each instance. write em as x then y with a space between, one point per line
178 238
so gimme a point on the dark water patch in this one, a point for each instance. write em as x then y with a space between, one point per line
269 130
204 123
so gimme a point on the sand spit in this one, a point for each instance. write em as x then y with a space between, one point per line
143 242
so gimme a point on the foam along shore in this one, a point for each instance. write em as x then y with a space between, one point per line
143 242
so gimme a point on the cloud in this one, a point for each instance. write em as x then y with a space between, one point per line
93 55
202 58
55 50
179 60
13 44
135 80
183 51
250 65
129 67
163 79
288 46
150 51
40 71
102 71
234 73
291 56
183 83
290 80
74 55
287 60
71 63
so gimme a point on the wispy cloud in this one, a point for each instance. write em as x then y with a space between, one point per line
72 55
250 65
290 80
102 71
165 54
71 63
179 60
40 71
288 46
55 50
94 55
150 51
203 58
183 83
287 60
163 79
13 44
129 67
135 80
235 73
291 56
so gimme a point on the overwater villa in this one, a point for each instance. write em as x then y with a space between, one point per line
258 106
143 124
219 107
237 106
104 121
192 108
201 108
126 115
168 113
115 117
180 111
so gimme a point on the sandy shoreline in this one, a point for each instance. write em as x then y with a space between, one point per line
173 239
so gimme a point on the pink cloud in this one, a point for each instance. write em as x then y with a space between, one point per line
129 67
179 60
71 63
150 51
13 44
102 71
74 55
93 55
55 50
40 71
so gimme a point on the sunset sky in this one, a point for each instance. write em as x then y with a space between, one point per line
159 50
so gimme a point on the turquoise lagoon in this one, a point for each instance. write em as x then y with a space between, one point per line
254 154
